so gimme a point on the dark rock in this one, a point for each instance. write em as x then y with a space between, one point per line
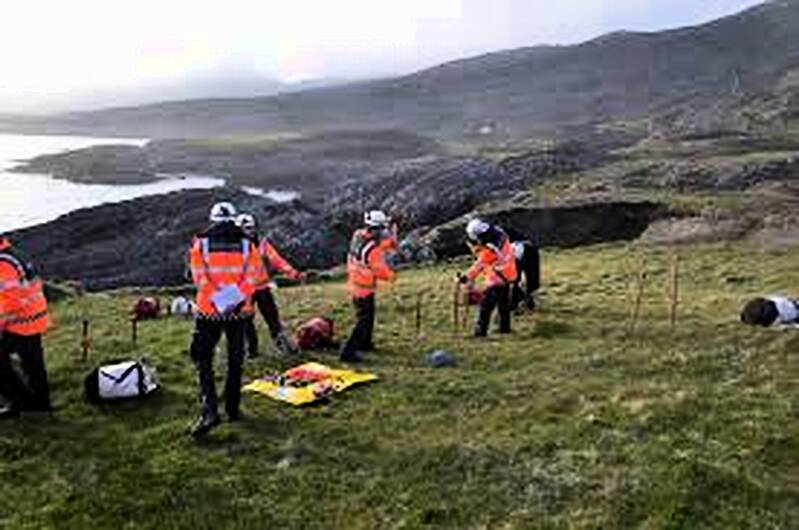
144 241
565 225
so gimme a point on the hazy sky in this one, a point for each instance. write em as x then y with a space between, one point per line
58 46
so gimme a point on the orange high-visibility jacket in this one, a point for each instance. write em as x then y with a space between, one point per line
498 264
23 307
273 258
217 262
366 263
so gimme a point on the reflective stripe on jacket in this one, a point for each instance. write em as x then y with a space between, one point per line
498 264
23 307
216 263
366 264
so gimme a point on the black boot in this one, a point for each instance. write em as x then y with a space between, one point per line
204 424
351 356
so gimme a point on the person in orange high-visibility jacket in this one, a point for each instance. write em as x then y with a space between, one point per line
366 265
263 298
227 270
496 261
23 321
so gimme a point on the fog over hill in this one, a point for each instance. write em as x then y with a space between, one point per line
728 73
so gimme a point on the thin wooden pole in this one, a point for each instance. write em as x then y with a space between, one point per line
85 342
419 300
134 331
465 312
456 302
675 289
639 295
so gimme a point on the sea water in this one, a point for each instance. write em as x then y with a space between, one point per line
30 199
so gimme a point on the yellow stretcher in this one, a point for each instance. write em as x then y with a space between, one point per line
307 383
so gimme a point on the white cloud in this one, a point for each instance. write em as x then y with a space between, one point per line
57 46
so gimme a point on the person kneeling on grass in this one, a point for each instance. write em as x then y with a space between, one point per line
771 311
495 259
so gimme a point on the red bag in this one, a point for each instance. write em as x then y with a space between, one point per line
475 296
146 308
315 334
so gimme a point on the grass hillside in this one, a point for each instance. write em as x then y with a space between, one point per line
574 421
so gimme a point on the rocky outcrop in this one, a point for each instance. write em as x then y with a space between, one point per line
566 224
143 241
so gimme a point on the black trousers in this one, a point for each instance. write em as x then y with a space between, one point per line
206 336
529 267
35 394
495 297
265 302
361 337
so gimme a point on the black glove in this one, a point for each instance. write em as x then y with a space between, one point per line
462 278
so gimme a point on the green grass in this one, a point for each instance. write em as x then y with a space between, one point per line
571 422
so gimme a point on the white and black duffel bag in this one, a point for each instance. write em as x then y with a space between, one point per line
124 380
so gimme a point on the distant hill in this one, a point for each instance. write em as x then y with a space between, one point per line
726 74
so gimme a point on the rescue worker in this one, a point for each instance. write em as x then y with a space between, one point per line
495 259
528 264
23 321
263 298
366 265
227 270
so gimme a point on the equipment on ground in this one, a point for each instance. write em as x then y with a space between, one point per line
123 380
315 334
308 383
440 359
146 308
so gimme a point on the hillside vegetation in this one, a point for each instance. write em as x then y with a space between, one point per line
577 420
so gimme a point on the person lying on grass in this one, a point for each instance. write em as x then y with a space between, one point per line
771 311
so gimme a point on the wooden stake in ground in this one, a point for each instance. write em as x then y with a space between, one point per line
85 342
465 316
639 295
419 300
456 302
134 330
674 292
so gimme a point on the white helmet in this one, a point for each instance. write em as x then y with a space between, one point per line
476 228
518 249
246 222
375 219
222 212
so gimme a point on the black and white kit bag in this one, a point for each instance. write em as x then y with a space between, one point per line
124 380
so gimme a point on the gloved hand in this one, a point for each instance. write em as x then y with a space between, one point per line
463 279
